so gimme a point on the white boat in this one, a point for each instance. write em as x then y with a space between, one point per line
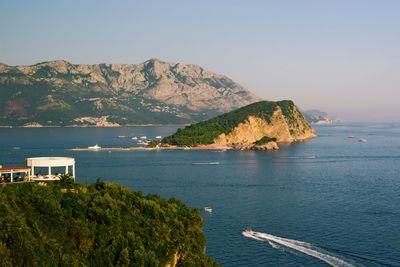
95 147
134 138
208 209
142 142
158 137
351 137
121 136
206 163
143 137
248 231
362 140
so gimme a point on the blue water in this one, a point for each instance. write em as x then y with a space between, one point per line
339 195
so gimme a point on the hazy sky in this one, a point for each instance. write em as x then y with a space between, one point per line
342 57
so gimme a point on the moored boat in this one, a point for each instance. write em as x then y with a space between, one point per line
208 209
95 147
142 142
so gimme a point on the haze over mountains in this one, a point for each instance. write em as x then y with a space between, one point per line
153 92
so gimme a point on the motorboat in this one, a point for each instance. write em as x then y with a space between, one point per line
142 142
95 147
134 138
248 230
158 137
351 137
208 209
121 136
143 137
362 140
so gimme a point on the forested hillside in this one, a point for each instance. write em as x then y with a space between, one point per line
103 224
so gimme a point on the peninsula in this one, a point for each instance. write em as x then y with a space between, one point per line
258 126
262 125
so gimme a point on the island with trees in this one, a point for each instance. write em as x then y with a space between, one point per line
260 125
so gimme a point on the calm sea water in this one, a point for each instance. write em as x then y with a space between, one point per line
340 196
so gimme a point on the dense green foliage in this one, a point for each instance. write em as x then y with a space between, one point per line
265 140
153 143
103 224
205 132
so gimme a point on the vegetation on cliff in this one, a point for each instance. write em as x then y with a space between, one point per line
206 132
265 140
103 224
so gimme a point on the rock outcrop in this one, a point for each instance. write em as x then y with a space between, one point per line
260 126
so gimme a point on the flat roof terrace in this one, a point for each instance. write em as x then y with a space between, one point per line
50 162
12 174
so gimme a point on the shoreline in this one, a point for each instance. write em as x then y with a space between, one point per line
91 126
205 147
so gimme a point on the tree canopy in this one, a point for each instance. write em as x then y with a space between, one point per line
205 132
102 224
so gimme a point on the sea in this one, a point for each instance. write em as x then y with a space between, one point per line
329 201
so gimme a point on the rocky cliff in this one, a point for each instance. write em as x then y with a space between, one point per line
61 93
261 125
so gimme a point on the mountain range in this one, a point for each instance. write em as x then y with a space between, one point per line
58 93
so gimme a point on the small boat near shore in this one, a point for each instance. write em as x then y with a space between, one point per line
143 137
134 138
362 140
206 163
158 137
208 209
95 147
142 142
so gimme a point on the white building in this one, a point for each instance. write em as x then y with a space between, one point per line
51 165
14 174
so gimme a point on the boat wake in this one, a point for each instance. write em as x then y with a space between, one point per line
206 163
303 247
299 157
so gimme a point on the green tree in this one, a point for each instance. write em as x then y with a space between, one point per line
66 180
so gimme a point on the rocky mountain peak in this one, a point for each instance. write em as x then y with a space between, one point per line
186 92
3 67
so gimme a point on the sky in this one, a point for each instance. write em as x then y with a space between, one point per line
339 56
